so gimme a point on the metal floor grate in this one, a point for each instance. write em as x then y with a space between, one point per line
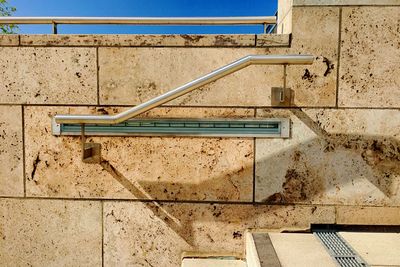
337 247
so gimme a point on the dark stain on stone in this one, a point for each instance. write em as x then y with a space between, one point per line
222 40
308 76
102 111
35 165
237 234
191 39
329 66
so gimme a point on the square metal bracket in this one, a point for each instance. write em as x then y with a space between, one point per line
91 153
281 97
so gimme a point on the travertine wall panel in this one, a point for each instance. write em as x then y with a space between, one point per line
162 232
134 75
11 165
315 32
139 167
347 157
370 57
220 40
48 75
50 233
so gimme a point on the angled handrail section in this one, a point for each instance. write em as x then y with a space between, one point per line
186 88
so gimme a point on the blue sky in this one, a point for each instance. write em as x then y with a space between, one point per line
143 8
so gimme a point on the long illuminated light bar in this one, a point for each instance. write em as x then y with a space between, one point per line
271 127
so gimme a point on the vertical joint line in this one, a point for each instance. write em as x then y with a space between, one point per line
23 149
97 74
102 233
338 58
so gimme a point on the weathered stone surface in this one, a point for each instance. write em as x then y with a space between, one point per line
345 2
9 39
370 57
139 167
273 40
48 75
314 85
195 40
11 173
333 157
368 215
134 75
50 233
162 232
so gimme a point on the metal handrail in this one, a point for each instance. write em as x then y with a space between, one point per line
186 88
141 20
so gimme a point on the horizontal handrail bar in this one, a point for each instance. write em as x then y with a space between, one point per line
140 20
186 88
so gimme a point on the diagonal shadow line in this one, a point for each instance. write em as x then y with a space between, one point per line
154 206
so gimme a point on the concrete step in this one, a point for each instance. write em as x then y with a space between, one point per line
286 250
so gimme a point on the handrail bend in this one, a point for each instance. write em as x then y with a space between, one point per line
186 88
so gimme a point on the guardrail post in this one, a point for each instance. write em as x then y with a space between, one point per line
54 28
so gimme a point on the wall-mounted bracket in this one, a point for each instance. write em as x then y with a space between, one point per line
91 152
281 96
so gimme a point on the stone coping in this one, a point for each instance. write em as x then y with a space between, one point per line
140 40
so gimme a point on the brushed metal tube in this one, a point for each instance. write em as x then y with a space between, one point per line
141 20
186 88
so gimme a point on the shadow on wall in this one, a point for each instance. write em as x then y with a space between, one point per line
326 163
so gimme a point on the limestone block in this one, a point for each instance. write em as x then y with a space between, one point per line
152 234
173 168
134 75
50 233
48 75
369 73
334 156
11 165
140 40
9 39
315 31
368 215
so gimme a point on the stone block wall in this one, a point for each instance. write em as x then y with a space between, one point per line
152 199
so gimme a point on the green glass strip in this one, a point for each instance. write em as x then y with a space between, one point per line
180 127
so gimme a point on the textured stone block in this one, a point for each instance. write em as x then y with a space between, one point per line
9 39
48 75
134 75
195 40
50 233
150 234
11 173
368 215
370 57
333 157
139 167
314 85
273 40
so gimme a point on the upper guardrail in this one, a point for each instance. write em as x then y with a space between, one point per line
186 88
258 20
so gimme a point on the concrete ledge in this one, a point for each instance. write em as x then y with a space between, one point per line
133 40
346 3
